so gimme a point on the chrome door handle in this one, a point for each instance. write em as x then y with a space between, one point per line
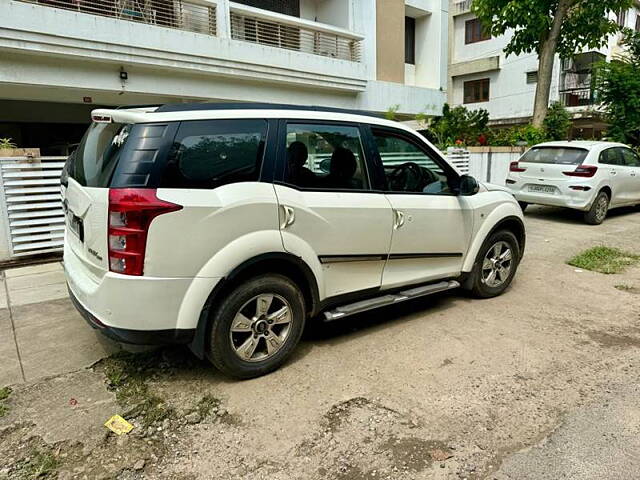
614 172
399 220
289 216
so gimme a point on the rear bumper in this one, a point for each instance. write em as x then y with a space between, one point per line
135 337
563 197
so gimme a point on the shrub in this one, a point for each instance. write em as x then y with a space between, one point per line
557 122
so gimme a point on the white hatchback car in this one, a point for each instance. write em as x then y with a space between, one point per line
225 227
588 176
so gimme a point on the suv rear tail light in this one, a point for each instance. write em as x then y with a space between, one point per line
587 171
131 211
515 167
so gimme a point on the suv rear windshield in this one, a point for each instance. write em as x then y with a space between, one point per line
95 159
555 155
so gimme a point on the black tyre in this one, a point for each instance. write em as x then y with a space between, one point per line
599 209
257 326
523 205
495 265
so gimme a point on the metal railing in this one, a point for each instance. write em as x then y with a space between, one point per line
191 15
577 97
265 28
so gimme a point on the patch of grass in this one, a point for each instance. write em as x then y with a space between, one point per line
40 464
604 260
127 375
5 392
624 288
206 404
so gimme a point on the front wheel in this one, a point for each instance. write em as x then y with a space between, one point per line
495 265
257 326
598 211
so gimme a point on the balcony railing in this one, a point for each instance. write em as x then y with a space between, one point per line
577 97
191 15
267 28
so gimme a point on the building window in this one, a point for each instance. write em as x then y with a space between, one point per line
474 32
622 18
410 40
476 91
532 77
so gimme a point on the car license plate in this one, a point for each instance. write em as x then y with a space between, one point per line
542 188
76 226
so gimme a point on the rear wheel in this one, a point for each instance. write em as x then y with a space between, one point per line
495 265
257 326
523 205
598 211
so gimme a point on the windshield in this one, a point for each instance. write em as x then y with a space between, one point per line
93 163
555 155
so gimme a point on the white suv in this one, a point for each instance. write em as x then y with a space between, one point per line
587 176
226 226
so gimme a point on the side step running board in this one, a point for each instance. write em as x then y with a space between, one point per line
389 299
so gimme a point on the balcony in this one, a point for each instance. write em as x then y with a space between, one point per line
282 31
190 15
577 97
461 7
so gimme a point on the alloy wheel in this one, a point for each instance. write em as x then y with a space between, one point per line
261 327
601 208
497 264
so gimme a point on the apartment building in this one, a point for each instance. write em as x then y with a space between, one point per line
482 76
61 58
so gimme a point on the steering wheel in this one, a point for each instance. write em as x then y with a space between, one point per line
410 177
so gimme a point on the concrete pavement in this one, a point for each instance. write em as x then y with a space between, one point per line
41 334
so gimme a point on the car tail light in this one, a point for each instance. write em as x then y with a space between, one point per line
587 171
582 188
131 211
515 167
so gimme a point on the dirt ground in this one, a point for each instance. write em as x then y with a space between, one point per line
541 382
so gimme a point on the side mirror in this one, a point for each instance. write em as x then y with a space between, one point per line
468 185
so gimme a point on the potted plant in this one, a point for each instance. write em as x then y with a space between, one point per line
10 149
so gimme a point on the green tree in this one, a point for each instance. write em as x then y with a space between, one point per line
547 27
618 90
557 122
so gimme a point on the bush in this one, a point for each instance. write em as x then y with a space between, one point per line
510 137
557 122
458 126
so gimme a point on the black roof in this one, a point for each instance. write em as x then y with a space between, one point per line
182 107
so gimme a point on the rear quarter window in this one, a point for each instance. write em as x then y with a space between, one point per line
555 155
210 153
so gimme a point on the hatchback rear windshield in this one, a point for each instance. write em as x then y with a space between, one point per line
555 155
95 159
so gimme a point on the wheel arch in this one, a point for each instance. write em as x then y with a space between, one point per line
506 217
281 263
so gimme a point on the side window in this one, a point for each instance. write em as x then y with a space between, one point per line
408 168
630 158
611 156
325 156
210 153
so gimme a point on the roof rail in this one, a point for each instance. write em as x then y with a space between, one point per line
181 107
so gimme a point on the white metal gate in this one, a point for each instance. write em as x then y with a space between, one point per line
30 188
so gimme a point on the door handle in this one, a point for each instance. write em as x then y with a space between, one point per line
614 172
633 174
289 216
399 220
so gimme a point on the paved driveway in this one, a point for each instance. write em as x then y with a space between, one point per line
538 383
